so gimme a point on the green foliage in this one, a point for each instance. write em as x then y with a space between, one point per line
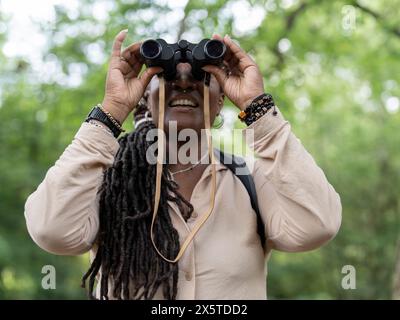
332 84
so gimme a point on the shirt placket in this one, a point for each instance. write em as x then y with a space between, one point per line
187 262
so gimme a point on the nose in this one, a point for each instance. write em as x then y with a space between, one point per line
184 80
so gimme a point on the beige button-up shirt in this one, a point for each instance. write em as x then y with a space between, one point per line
300 210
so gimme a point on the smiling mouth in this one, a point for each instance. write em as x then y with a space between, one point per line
185 103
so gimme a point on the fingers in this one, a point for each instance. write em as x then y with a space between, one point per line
120 62
228 54
128 61
244 60
132 53
127 70
234 48
134 70
217 36
235 56
125 67
218 73
146 76
116 48
132 56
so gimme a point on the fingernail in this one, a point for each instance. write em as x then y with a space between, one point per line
125 31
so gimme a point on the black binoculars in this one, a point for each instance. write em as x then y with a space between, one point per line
159 53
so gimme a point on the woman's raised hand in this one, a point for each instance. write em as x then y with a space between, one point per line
124 86
245 81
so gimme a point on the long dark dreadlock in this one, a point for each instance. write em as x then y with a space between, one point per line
125 253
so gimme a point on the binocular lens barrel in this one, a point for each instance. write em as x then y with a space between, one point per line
214 49
151 49
157 52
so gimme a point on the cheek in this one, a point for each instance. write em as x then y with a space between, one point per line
215 95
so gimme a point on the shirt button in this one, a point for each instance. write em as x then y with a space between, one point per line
188 276
194 215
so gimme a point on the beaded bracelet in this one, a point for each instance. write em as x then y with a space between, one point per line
113 120
257 108
97 124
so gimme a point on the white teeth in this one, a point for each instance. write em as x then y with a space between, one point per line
185 102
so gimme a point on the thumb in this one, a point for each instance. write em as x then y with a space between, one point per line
217 36
218 73
148 74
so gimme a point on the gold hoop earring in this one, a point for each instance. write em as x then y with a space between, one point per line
220 123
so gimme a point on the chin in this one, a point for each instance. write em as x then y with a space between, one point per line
181 123
189 119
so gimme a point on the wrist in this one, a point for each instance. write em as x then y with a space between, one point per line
98 113
247 102
119 112
257 108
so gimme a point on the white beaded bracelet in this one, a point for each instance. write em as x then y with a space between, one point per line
97 124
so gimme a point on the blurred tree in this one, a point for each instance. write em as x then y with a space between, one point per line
334 69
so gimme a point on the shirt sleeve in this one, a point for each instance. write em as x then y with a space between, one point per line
299 207
62 214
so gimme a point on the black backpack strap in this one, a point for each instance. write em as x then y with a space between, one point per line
238 167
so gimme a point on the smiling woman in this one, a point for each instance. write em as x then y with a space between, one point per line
155 235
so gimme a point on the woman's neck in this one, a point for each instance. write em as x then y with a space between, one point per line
184 154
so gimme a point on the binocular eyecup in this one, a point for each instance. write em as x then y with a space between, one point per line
159 53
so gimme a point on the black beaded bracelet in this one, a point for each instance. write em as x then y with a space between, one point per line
257 108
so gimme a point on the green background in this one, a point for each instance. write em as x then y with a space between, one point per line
334 70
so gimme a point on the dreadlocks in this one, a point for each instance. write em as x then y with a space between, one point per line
125 253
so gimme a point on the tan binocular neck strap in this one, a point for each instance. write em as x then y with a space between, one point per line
159 168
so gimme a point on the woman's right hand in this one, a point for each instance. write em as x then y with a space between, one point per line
124 86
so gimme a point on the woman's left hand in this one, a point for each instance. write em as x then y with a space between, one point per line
245 81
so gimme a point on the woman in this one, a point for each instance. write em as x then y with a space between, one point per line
76 209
